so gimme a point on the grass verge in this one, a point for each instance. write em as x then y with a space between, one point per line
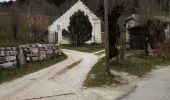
11 74
84 48
98 76
141 65
134 65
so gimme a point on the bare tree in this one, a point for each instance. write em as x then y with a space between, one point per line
15 20
117 8
39 27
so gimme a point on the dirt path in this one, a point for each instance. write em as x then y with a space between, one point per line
154 87
47 84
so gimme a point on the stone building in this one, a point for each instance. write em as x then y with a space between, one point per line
134 32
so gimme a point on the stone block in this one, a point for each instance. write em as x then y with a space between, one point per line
2 53
2 49
10 52
2 60
8 48
14 53
34 50
28 58
33 45
34 59
14 48
15 63
27 46
10 58
7 53
39 45
42 57
8 65
41 49
56 51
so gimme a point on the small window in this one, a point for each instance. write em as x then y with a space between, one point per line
58 27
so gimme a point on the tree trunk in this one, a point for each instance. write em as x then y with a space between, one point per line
114 34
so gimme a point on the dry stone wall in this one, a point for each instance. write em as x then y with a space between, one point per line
8 57
12 56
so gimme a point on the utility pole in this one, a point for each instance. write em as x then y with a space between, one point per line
169 17
106 35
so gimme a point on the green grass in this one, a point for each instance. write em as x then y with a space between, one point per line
84 48
11 74
135 65
98 76
141 65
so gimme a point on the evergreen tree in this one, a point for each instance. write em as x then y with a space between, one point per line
80 28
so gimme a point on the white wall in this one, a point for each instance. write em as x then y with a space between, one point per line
65 19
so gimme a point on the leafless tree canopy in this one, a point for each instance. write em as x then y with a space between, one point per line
149 9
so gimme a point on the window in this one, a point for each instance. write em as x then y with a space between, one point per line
58 27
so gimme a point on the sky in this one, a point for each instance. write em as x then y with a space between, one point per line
4 0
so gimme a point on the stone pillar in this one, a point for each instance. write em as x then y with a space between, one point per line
21 56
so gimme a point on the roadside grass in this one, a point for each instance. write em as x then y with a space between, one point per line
98 76
140 65
11 74
84 48
134 65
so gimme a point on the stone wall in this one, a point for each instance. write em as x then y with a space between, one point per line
12 56
8 57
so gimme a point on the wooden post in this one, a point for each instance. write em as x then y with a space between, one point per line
169 17
106 35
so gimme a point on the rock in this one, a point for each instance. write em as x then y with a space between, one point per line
8 48
28 58
39 45
10 58
14 48
7 53
2 53
35 59
33 45
34 50
2 60
2 49
8 65
15 63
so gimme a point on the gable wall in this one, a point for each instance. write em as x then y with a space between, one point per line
65 19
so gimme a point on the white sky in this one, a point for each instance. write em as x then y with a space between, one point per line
4 0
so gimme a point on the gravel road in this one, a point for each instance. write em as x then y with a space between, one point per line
56 83
155 87
47 84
